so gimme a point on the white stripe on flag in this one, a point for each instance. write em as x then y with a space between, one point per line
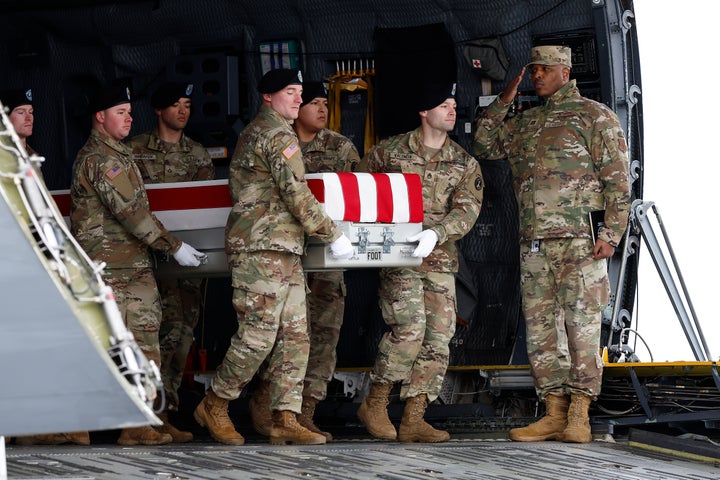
367 189
334 200
401 203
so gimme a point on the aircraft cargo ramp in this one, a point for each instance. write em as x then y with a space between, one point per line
347 458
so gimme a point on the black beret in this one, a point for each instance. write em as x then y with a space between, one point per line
312 90
108 97
275 80
15 97
432 95
169 93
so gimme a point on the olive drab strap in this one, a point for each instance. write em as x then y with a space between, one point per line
334 113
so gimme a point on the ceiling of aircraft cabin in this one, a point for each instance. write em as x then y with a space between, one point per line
65 48
136 22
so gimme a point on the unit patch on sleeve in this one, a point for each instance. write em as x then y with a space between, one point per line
290 150
113 172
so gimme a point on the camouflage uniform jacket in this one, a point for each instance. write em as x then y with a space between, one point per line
452 189
273 208
330 152
162 162
110 215
568 157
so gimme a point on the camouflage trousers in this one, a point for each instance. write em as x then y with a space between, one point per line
419 307
181 301
269 298
564 292
138 299
326 308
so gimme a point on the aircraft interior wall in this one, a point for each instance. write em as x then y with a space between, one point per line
64 53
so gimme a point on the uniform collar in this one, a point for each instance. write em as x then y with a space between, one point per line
567 90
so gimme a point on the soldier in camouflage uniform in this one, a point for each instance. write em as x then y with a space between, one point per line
165 154
264 238
419 303
323 150
21 114
568 157
111 219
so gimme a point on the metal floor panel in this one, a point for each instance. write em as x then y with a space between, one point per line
355 460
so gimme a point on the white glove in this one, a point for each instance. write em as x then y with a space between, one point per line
187 256
342 248
427 239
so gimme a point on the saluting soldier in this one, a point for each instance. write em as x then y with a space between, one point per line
273 211
568 157
111 219
163 155
418 303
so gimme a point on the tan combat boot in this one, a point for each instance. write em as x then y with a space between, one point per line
259 406
548 427
286 429
144 435
78 438
212 412
306 417
178 436
42 439
578 422
374 415
414 428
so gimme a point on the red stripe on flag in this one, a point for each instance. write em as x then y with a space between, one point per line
317 187
351 194
189 198
384 198
180 198
415 197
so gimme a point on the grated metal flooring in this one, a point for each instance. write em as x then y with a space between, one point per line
355 459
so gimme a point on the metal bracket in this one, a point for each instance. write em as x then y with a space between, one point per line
362 239
715 375
388 241
642 394
352 382
678 295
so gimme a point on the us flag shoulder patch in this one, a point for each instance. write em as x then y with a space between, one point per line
290 150
113 172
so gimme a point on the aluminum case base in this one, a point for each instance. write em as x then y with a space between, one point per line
377 245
